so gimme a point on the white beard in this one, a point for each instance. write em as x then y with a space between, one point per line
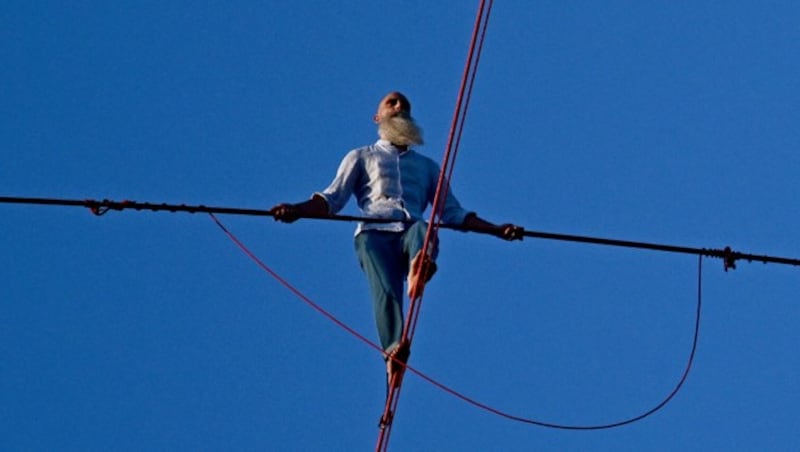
400 130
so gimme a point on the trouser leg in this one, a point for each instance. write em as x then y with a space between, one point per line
381 256
414 239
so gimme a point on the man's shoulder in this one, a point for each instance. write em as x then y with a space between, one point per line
419 159
356 154
361 150
413 153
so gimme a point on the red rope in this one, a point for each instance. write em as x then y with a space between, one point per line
448 161
461 396
468 97
442 187
293 289
452 146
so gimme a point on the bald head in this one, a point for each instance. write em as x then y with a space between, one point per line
393 104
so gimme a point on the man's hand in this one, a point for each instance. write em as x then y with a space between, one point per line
287 213
315 207
510 232
506 231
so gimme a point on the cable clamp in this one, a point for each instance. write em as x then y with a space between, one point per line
99 208
728 259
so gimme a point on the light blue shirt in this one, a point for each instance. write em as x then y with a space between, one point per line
389 183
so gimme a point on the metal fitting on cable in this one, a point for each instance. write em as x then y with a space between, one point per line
728 259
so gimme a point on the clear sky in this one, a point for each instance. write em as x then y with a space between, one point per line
670 122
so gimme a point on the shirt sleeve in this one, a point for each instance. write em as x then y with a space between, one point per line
453 213
341 188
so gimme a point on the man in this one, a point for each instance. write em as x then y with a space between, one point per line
391 181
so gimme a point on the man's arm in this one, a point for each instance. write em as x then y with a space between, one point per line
317 206
505 231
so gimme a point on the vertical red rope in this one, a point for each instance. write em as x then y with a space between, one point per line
468 97
452 147
446 172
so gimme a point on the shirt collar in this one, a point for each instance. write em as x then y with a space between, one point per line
386 144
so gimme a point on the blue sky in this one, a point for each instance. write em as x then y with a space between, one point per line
668 122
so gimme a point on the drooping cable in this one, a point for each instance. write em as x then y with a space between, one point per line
292 288
605 426
470 400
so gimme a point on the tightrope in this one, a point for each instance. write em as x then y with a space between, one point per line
728 255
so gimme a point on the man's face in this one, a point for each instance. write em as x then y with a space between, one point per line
393 104
395 123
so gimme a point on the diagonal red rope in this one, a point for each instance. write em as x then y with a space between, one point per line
448 160
293 289
452 146
442 187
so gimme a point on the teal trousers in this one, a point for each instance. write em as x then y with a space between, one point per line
385 258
